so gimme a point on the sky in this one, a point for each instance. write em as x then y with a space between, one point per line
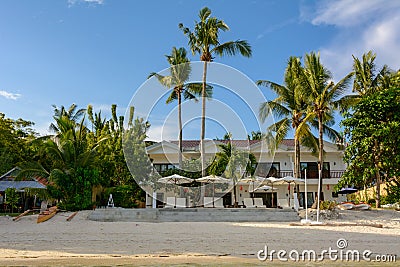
100 52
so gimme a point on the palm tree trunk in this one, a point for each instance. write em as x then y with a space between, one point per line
203 120
377 176
234 197
321 154
297 173
180 129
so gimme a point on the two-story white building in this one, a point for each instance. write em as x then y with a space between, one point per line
164 156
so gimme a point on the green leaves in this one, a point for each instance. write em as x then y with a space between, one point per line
204 39
374 132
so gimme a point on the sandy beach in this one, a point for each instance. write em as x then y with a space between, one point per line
84 242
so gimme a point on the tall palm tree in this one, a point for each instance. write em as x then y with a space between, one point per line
204 40
178 79
73 114
366 79
290 107
323 98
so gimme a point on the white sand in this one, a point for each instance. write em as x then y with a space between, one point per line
84 242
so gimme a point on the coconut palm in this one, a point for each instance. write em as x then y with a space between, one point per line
366 79
72 114
323 97
179 75
231 163
290 107
204 40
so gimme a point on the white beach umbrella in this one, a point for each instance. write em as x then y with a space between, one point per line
265 188
175 179
289 180
272 181
251 180
214 180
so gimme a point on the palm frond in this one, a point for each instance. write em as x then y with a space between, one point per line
232 48
304 135
281 128
31 169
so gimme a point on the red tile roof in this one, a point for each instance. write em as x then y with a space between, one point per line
238 143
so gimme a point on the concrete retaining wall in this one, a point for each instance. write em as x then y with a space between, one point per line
194 215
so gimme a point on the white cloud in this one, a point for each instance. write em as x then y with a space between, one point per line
9 95
98 2
352 12
163 132
360 26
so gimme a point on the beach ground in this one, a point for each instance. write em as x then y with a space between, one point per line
82 242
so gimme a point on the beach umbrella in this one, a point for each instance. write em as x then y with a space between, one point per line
289 180
272 181
250 180
264 188
347 190
175 179
213 180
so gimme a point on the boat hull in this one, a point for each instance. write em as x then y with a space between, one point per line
47 215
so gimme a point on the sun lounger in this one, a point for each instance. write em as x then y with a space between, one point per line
208 202
170 202
218 202
283 203
258 202
181 202
248 202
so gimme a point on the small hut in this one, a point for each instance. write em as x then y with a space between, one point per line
22 186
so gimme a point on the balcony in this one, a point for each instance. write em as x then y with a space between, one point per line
310 174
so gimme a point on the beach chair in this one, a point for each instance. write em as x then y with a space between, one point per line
208 202
283 202
248 202
258 202
181 202
170 202
219 203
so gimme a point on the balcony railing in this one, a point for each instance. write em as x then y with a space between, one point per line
310 174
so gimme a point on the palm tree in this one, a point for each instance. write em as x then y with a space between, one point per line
230 162
204 40
366 79
179 75
72 114
290 107
323 98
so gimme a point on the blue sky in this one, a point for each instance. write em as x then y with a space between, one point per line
100 52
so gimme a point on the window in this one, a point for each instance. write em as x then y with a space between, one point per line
312 169
268 169
160 168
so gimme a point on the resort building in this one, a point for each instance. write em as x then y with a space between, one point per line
164 156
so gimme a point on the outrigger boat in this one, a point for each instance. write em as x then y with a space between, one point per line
47 214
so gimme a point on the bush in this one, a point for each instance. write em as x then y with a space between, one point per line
393 192
327 205
12 198
125 196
